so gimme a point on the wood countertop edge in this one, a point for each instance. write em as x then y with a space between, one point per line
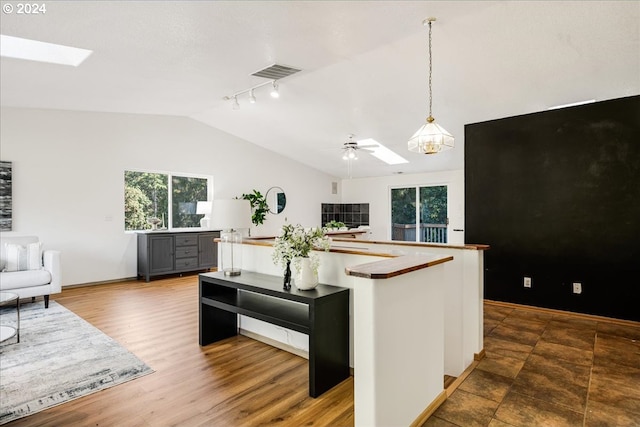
394 265
397 266
328 233
261 241
468 246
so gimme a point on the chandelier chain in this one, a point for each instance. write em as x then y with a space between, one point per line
430 68
431 138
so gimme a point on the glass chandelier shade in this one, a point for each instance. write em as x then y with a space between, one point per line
431 138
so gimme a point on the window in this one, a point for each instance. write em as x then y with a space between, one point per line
169 200
419 214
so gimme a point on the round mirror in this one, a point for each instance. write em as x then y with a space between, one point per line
276 199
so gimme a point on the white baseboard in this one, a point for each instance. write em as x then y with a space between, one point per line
274 343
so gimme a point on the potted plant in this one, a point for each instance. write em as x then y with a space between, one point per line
334 225
295 245
259 206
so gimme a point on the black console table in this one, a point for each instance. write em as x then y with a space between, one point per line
322 314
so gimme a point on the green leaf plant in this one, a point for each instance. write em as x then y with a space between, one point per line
259 206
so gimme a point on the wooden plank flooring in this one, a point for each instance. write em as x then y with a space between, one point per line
236 382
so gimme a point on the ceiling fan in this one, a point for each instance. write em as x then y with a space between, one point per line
351 147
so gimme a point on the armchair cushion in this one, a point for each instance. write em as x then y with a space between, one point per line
24 279
21 258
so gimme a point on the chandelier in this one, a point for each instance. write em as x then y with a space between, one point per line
431 138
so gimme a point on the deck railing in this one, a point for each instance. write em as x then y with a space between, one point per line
431 233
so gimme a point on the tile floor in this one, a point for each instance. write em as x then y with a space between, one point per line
544 369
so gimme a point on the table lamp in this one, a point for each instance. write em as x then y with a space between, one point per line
204 208
228 216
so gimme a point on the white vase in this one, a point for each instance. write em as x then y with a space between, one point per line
306 278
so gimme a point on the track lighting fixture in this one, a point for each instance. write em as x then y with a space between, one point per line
274 90
252 98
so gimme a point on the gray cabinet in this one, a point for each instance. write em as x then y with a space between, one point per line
207 250
161 252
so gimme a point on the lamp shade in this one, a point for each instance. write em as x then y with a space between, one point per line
203 208
431 138
229 214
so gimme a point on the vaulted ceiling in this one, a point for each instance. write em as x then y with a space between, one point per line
364 67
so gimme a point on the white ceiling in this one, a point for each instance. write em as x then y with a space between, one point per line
364 66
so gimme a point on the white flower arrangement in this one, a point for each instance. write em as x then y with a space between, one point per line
295 242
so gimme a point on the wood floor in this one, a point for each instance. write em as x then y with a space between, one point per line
236 382
540 370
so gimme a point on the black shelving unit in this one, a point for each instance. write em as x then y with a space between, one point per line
321 313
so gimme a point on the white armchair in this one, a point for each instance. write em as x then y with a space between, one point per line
27 270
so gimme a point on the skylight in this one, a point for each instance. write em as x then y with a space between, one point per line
32 50
573 104
382 152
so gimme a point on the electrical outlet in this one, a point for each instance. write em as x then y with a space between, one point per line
527 282
577 287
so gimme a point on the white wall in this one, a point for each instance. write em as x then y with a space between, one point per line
68 179
377 192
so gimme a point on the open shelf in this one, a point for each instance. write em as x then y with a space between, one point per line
321 313
287 314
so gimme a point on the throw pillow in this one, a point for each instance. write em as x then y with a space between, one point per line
20 258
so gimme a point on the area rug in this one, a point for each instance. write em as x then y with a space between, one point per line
60 357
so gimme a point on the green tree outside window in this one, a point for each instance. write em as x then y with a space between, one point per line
149 195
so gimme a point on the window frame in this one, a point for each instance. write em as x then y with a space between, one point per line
417 222
170 175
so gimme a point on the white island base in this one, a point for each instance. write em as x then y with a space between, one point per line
399 347
397 340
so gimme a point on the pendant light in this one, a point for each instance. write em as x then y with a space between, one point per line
431 138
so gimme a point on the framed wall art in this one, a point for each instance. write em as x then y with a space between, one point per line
5 196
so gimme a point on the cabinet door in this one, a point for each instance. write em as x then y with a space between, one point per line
160 253
207 250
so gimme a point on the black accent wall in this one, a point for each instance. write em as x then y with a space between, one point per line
557 196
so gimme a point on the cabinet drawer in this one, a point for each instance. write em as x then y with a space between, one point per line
186 263
186 251
186 240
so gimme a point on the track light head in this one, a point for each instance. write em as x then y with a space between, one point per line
252 98
274 90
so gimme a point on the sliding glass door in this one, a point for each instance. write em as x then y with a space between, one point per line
419 214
